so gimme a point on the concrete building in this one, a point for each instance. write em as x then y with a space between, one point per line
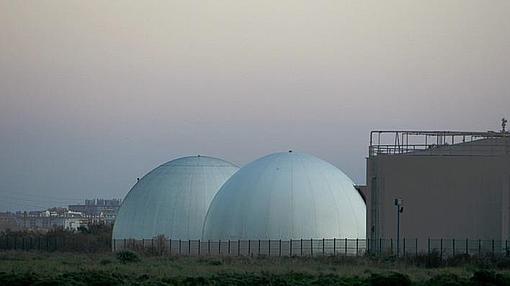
285 196
453 185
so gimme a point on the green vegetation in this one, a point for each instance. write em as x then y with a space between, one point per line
129 268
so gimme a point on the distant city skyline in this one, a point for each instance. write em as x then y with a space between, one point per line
95 94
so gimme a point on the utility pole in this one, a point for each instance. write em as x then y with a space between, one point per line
399 206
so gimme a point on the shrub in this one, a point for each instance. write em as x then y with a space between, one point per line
127 256
392 279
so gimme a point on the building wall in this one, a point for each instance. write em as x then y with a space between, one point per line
444 196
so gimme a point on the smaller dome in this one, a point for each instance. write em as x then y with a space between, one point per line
172 200
288 195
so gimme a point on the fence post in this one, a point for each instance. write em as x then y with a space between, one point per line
493 247
125 244
269 247
506 247
441 246
238 247
404 246
346 247
170 246
209 247
380 245
479 247
357 248
453 244
180 245
416 248
301 247
290 248
391 246
280 249
311 246
323 241
259 248
428 242
219 247
228 252
189 246
199 247
249 247
334 246
467 246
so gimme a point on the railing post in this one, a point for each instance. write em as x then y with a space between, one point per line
290 248
189 246
208 247
323 242
357 248
238 247
219 247
301 247
311 246
180 243
280 249
199 246
269 247
346 247
249 247
334 246
228 247
259 248
169 246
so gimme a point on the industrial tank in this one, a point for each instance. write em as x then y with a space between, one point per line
286 196
172 200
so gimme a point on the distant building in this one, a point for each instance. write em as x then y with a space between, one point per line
98 210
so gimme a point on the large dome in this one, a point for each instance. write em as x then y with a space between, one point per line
286 196
172 199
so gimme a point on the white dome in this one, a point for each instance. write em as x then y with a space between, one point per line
172 199
286 196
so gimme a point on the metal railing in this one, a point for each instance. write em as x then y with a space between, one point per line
437 142
316 247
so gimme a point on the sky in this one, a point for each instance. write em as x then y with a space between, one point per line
94 94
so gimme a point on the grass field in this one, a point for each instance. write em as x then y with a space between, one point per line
31 268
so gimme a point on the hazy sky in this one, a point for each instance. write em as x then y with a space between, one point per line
94 94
